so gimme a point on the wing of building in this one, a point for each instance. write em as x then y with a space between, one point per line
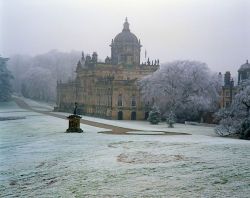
229 89
109 89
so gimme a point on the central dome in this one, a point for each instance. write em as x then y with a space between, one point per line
125 48
126 36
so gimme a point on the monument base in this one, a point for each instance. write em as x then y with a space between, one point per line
74 124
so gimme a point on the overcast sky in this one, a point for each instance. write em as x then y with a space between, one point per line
213 31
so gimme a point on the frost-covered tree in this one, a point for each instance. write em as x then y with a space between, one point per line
154 115
38 84
5 81
187 88
170 119
54 66
235 120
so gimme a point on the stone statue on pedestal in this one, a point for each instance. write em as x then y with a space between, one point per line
75 109
74 122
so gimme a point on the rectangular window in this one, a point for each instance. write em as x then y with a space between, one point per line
133 101
119 100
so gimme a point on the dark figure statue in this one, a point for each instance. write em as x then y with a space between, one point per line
107 60
88 60
74 122
94 57
75 110
148 62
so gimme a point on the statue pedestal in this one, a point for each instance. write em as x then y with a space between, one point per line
74 124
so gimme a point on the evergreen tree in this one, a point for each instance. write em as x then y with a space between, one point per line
171 119
154 115
5 78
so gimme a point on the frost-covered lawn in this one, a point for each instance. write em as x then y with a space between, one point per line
39 160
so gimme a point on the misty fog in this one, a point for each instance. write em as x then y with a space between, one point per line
211 31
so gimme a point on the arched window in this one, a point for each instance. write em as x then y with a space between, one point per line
133 115
119 102
120 115
133 101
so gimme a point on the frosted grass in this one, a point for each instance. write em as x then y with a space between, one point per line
39 160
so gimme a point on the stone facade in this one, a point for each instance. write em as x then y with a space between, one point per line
244 73
229 90
109 89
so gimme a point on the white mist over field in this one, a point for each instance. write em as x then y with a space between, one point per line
211 31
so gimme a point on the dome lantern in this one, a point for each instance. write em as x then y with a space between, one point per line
126 25
125 48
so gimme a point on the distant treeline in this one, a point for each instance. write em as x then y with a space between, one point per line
36 77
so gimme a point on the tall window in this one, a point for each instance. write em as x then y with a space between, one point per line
120 100
227 104
133 101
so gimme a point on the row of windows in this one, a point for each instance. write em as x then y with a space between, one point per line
104 91
227 93
100 100
119 101
132 116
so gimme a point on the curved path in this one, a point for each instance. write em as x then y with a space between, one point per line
111 129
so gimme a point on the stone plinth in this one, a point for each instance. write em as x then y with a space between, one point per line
74 124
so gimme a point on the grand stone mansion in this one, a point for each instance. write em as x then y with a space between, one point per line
108 89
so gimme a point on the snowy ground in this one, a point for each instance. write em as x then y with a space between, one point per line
39 160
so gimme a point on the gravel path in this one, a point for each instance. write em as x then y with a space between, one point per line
111 129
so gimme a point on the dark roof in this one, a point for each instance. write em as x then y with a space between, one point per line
126 36
245 66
